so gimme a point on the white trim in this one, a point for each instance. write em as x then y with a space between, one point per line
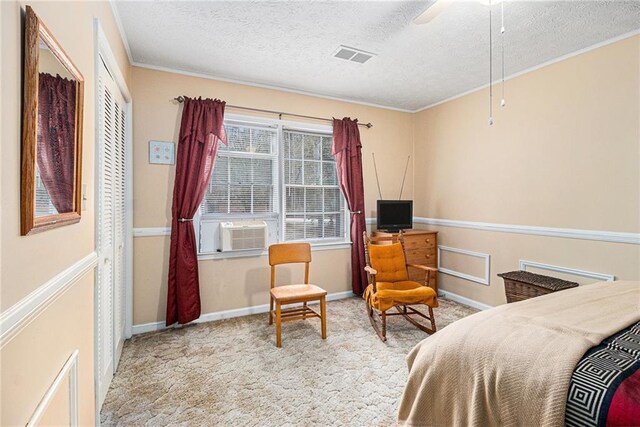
123 35
264 86
465 301
535 67
487 265
151 231
315 247
569 233
228 314
575 272
20 314
104 53
70 367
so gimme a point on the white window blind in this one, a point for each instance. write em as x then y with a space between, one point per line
244 179
313 204
44 205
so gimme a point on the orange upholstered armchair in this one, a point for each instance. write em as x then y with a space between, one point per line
389 285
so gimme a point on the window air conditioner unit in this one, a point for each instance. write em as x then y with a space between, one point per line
243 235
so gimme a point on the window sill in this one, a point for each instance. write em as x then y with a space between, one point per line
259 253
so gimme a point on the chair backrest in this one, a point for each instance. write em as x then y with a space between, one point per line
289 253
387 259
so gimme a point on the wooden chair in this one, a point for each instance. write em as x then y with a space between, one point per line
288 253
389 285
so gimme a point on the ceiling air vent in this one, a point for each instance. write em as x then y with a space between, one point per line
353 54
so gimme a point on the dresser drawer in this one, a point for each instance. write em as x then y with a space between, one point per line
422 256
420 241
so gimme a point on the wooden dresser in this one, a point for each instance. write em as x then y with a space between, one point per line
421 247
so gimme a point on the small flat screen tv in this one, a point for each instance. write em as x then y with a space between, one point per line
395 215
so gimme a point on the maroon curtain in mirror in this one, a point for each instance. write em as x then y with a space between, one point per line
56 138
347 150
200 131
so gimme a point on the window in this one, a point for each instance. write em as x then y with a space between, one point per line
245 173
314 206
285 176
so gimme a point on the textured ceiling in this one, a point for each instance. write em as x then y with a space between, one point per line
288 44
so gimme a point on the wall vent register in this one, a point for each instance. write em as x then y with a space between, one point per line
353 54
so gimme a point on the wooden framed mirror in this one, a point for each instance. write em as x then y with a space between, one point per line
51 132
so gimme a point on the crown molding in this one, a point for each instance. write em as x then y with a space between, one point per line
123 35
264 86
534 68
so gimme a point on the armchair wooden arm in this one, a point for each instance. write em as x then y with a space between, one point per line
423 267
370 270
429 270
371 276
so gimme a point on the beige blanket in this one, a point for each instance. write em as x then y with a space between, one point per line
511 365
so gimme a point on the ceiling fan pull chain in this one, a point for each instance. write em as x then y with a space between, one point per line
502 102
490 69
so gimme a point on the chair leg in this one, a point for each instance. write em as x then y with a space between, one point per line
271 310
384 326
278 325
304 313
371 313
433 320
323 317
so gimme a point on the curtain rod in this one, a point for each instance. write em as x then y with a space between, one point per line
279 113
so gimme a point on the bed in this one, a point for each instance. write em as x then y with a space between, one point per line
571 357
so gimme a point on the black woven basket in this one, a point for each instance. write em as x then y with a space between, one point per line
521 285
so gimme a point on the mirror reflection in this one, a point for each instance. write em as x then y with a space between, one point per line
56 134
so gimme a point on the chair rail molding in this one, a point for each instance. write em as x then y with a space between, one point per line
487 265
568 233
70 367
228 314
21 313
523 264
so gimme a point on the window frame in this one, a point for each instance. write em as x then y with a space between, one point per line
280 199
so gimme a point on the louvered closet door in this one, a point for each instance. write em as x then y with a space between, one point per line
110 304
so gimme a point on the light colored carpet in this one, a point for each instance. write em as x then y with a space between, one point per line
229 372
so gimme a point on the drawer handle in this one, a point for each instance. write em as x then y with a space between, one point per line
427 256
428 241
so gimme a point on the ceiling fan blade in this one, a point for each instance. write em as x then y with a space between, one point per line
434 10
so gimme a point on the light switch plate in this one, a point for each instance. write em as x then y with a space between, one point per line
84 197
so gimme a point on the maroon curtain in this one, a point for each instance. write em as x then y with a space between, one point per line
347 150
200 131
56 138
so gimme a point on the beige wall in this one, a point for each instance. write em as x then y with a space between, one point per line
229 284
565 152
32 359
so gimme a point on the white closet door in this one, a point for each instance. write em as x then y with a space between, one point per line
110 301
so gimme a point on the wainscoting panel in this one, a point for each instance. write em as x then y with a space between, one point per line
484 280
70 368
570 271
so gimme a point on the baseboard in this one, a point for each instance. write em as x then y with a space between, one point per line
228 314
464 300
